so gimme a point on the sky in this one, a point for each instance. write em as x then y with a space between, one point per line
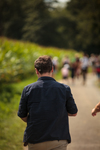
61 3
63 0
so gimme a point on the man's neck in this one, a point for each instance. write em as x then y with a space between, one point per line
45 75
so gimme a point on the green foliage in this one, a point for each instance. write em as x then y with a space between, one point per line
12 18
65 28
17 58
36 17
11 126
13 60
75 26
86 15
7 92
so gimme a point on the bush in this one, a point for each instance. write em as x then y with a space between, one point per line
17 58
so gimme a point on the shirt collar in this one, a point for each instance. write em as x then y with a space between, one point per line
46 78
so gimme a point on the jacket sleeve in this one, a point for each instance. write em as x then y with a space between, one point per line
70 102
22 111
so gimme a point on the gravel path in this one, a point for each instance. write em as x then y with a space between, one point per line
85 129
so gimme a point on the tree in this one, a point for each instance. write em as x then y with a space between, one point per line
11 22
36 17
86 15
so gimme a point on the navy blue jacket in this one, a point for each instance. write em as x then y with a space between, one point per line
47 104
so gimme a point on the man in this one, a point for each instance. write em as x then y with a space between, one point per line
45 105
96 109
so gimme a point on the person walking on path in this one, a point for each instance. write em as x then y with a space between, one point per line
97 69
84 67
96 109
45 106
65 71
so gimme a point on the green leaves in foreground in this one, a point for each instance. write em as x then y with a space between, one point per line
17 58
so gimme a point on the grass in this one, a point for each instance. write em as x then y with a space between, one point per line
11 126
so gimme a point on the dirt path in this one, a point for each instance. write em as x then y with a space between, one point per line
84 129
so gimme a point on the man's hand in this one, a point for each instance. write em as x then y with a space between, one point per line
93 112
96 109
24 119
72 114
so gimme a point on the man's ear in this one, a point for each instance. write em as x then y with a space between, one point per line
52 69
37 72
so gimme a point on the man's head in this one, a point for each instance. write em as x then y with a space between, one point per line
43 64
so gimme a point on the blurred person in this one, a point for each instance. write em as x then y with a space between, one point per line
92 62
65 60
97 69
72 70
96 109
55 65
84 67
77 67
65 71
96 58
45 106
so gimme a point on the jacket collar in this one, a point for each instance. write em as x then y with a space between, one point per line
46 78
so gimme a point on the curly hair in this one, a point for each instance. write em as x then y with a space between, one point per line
43 64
